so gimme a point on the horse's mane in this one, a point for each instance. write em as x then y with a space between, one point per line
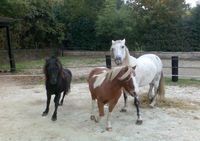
129 60
110 75
58 63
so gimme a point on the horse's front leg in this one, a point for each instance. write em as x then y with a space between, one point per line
137 103
92 117
47 105
124 109
56 101
101 111
111 107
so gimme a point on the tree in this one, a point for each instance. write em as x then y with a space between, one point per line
157 23
114 22
79 18
195 28
42 27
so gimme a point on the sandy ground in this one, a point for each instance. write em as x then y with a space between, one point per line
22 106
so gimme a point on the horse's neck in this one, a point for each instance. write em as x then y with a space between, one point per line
128 58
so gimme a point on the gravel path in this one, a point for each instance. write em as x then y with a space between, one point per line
22 105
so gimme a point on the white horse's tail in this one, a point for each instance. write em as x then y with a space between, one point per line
161 88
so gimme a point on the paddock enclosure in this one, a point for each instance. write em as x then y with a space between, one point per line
22 106
23 99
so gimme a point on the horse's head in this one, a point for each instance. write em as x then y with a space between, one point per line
118 49
52 69
128 80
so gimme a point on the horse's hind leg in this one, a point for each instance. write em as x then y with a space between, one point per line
124 109
153 102
56 101
151 85
136 102
47 105
61 102
156 84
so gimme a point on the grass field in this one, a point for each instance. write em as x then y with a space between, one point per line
67 61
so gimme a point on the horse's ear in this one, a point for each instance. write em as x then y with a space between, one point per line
113 41
123 41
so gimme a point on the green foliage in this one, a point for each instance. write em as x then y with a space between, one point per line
151 25
157 24
115 23
42 27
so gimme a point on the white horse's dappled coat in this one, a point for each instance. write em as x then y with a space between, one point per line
148 67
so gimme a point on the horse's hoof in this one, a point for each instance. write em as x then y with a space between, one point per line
109 129
96 120
151 105
92 117
139 122
123 110
150 100
54 118
44 114
60 104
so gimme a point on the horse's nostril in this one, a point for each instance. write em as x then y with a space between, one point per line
118 58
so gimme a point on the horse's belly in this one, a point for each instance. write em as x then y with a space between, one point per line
144 81
144 76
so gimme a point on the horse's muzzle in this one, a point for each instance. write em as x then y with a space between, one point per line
53 81
118 62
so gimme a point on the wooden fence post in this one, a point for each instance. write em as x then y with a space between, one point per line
108 61
174 68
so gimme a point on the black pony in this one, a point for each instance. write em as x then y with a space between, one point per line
57 80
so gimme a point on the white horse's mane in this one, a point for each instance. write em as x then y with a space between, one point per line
110 75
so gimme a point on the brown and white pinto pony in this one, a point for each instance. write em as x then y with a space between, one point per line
106 87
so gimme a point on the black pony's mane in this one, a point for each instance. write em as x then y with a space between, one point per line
57 62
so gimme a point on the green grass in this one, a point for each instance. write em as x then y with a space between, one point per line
69 61
75 61
182 82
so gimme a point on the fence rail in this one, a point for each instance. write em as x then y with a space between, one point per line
184 71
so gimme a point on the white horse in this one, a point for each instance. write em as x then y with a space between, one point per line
148 70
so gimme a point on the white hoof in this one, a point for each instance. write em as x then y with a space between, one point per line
109 128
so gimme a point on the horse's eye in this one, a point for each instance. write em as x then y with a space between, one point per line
122 46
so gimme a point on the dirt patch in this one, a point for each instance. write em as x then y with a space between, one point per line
22 106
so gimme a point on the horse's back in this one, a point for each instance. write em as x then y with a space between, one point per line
67 79
152 60
67 72
96 71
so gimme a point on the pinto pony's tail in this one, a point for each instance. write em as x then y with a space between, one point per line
161 88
